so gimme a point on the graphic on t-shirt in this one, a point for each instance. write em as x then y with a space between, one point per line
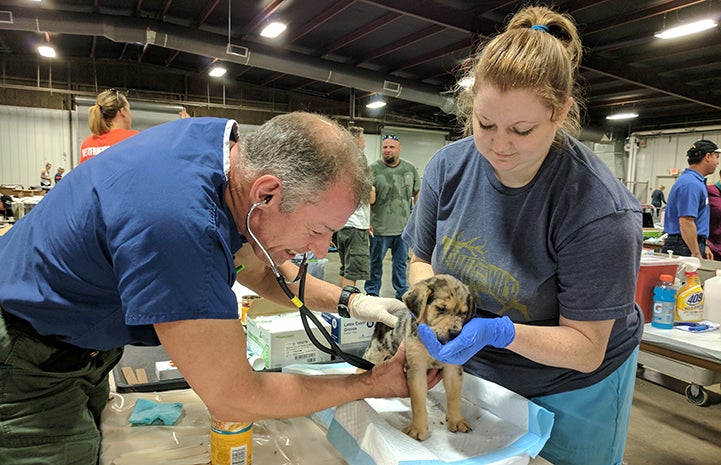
468 262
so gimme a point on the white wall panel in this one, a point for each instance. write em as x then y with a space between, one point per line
657 154
30 137
417 145
144 116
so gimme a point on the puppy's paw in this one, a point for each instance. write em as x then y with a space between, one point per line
418 432
458 426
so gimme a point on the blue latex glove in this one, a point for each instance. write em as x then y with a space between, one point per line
475 335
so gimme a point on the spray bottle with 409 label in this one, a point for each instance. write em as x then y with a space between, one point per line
690 299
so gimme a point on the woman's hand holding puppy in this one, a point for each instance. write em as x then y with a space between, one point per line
475 335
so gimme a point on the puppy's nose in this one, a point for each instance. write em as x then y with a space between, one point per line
452 333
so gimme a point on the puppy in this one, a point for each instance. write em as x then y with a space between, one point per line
445 304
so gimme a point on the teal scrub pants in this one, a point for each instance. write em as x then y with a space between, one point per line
591 424
51 397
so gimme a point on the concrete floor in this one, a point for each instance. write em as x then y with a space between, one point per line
665 428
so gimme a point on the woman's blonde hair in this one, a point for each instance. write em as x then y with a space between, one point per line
106 108
540 50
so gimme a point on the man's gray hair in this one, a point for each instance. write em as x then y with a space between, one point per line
355 131
308 153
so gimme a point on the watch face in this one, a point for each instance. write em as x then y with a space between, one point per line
343 311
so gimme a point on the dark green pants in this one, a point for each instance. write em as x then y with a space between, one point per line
51 397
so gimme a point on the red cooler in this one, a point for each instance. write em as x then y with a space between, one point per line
651 268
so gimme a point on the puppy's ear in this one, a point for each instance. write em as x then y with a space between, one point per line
416 298
471 306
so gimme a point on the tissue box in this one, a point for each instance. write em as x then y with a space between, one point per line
349 330
281 339
166 370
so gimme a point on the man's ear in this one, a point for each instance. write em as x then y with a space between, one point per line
266 189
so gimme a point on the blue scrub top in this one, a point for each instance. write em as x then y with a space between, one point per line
688 197
139 234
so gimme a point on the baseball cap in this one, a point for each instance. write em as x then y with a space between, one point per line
701 148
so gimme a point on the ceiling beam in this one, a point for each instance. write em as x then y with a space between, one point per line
361 32
122 52
678 55
93 46
399 44
138 8
241 70
272 78
580 5
440 15
204 13
666 86
644 13
160 16
454 47
207 10
171 57
320 19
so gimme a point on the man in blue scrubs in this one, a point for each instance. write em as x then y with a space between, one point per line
140 245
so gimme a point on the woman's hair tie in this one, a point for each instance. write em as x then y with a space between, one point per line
540 27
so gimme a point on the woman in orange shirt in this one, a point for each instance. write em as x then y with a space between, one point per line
109 120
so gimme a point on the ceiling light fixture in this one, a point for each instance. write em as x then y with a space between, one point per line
273 30
686 29
375 105
217 71
47 51
623 115
376 102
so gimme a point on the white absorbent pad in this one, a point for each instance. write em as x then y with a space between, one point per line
507 428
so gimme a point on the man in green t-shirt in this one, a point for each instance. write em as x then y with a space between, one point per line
396 183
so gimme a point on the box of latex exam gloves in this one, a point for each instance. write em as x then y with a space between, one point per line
280 339
349 330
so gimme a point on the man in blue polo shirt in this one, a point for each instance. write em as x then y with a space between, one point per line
687 209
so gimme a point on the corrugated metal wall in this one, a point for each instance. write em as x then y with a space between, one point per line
658 153
30 137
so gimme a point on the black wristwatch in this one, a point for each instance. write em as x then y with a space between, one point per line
345 294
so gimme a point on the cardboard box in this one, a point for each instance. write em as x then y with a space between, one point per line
166 370
349 330
265 307
281 340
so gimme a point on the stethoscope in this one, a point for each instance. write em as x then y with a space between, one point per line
297 300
